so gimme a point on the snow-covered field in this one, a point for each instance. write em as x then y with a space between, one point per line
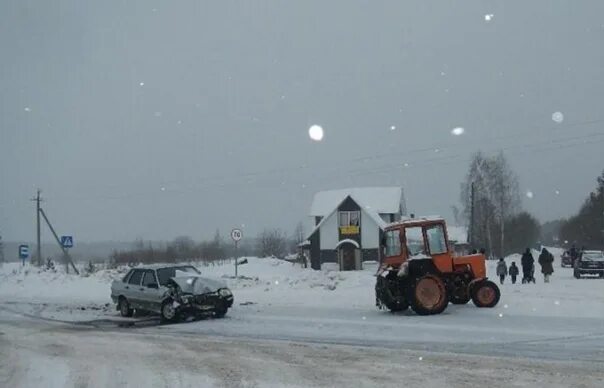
275 300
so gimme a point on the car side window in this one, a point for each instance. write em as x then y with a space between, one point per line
125 278
136 277
149 278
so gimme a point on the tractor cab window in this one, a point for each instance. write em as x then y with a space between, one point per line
415 241
393 243
436 239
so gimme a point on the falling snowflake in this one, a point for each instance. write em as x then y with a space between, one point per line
141 84
421 358
505 306
558 117
557 192
500 315
157 114
163 189
316 132
179 122
458 131
529 194
442 73
557 303
276 282
406 165
488 17
364 318
303 186
283 97
437 150
27 109
392 127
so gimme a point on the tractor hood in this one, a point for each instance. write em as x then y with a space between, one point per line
195 284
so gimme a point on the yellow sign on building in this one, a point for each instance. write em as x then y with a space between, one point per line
349 229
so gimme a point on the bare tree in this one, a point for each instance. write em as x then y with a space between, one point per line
496 198
505 194
272 242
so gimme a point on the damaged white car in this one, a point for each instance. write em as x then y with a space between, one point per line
173 292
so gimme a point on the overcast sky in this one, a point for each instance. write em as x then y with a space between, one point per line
149 119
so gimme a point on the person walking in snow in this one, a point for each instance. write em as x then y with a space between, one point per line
528 266
546 260
502 270
513 272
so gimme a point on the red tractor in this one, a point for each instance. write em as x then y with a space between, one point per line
419 270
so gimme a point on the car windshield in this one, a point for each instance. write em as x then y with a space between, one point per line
165 274
593 256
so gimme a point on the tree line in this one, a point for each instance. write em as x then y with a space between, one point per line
586 228
271 242
491 207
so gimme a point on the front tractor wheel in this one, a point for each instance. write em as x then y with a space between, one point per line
485 294
429 295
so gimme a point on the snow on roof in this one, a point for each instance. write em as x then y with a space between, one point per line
379 200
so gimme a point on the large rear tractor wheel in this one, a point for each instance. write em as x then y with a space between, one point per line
428 295
485 293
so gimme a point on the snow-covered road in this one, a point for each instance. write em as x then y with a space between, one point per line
36 353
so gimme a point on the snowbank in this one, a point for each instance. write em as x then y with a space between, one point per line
273 282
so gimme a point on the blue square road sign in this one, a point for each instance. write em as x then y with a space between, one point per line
67 241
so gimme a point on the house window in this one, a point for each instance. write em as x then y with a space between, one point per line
349 222
349 218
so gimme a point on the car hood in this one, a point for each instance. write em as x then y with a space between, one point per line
197 285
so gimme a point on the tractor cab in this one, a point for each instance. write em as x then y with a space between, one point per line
426 238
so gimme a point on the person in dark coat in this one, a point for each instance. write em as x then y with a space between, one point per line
528 267
546 260
574 254
502 270
513 271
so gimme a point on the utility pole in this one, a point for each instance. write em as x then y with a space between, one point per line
66 257
37 199
471 228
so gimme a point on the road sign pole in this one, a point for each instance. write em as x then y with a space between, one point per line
236 235
236 257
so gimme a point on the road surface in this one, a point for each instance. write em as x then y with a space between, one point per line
277 347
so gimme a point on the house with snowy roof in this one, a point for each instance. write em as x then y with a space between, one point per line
349 224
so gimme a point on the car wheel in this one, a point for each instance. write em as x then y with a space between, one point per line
220 310
485 294
577 275
168 311
124 307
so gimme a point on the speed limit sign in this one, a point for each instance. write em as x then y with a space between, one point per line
236 235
